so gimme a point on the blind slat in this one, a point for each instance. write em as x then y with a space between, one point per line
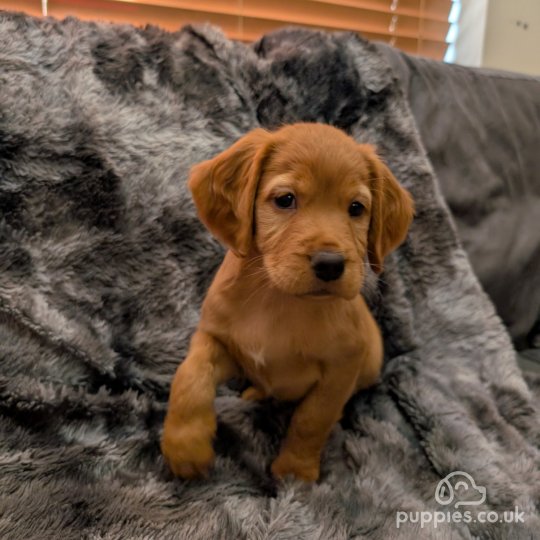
221 13
32 7
411 32
428 9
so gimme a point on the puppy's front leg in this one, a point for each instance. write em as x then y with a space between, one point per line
311 425
190 424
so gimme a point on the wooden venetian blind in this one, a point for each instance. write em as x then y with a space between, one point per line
415 26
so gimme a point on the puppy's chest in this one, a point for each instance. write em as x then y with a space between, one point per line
279 365
283 352
268 336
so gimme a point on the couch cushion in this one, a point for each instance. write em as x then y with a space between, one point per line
481 129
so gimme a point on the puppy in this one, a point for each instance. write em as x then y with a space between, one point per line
302 210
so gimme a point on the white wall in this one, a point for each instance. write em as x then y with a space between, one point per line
512 39
500 34
472 27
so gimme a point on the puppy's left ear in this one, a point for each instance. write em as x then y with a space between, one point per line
392 211
224 190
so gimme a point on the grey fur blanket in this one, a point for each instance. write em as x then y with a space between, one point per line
103 266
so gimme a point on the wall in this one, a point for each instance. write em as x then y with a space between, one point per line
500 34
472 27
512 39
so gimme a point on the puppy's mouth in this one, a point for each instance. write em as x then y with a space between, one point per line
318 293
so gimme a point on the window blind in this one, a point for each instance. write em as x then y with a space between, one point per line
415 26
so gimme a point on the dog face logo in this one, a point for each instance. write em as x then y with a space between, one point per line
462 483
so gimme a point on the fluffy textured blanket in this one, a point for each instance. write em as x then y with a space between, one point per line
103 265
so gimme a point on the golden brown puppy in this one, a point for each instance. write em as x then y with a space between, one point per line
301 210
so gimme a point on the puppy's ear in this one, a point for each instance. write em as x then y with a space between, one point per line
392 211
224 190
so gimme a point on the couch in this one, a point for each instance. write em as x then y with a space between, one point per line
104 264
481 131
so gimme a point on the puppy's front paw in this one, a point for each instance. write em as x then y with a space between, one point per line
187 447
303 467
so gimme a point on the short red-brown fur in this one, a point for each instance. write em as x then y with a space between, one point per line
260 317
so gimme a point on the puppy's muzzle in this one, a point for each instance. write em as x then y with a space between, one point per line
327 265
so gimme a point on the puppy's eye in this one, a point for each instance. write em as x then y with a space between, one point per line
356 209
287 201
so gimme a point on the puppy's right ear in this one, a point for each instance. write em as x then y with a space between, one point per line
224 190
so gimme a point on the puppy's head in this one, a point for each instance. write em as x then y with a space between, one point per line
307 199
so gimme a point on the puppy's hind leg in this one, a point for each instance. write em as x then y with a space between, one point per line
253 394
190 423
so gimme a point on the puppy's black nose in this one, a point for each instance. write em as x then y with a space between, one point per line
327 265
